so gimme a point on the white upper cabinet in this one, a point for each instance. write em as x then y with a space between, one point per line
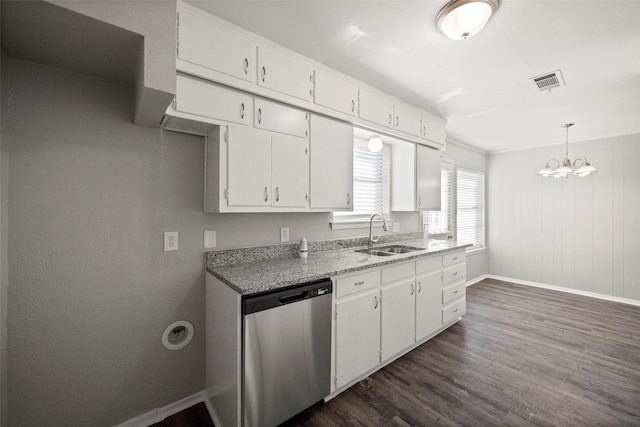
289 171
375 108
433 129
284 74
408 119
428 178
335 93
249 167
280 118
210 101
209 50
331 164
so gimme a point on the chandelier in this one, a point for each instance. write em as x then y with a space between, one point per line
566 168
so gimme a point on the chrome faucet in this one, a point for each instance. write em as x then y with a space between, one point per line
375 239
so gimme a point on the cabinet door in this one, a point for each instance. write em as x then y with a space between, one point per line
284 74
427 178
335 93
375 108
211 101
398 318
407 119
280 118
357 336
428 304
331 164
215 49
249 167
433 129
289 171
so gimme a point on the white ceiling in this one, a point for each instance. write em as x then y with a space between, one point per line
481 85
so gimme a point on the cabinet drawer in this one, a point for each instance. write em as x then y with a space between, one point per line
375 108
453 273
279 118
357 283
454 311
334 93
454 291
453 258
397 272
428 264
212 101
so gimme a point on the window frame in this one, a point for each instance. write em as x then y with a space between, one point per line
447 166
480 221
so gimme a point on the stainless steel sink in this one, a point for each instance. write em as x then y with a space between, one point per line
375 252
389 250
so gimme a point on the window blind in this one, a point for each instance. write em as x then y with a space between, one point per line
440 222
470 207
370 180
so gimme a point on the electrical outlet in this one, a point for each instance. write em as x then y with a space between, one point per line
396 227
284 234
170 241
209 239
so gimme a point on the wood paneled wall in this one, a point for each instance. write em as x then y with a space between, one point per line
578 233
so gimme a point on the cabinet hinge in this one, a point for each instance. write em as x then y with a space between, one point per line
226 193
335 382
336 314
226 136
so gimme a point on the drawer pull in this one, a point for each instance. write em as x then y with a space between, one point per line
359 283
455 258
264 73
455 274
242 110
376 300
246 66
455 292
419 287
455 311
259 115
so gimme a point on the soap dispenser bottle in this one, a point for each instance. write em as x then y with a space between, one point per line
304 249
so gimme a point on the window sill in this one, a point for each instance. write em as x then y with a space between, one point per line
358 223
474 251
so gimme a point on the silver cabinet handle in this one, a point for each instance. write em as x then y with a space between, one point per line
277 194
455 311
397 121
455 258
455 274
455 292
259 115
376 300
419 201
266 194
390 119
419 287
348 199
264 73
412 289
242 110
353 105
246 65
359 283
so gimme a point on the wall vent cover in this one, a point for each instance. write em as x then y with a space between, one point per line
548 81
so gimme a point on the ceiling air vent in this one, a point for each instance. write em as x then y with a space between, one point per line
548 81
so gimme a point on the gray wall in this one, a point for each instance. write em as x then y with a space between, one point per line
90 289
577 233
465 157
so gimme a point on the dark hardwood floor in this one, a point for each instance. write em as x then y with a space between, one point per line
521 356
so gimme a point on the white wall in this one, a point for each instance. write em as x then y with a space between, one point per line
578 233
465 157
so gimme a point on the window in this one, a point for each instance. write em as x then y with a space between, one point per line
470 207
441 222
370 182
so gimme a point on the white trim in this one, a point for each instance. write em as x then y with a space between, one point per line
156 415
477 279
567 290
468 147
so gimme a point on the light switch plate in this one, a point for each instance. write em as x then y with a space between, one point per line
284 234
170 241
209 239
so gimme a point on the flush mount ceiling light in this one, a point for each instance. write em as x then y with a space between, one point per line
463 19
375 144
565 168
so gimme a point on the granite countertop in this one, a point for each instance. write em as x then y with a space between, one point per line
259 276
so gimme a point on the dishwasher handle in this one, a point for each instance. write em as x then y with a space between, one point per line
293 298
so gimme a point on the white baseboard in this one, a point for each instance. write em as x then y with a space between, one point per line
477 279
159 414
563 289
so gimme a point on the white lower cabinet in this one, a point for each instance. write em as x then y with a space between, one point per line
383 313
398 318
357 336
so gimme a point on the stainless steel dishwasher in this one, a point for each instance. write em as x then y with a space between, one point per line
286 352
